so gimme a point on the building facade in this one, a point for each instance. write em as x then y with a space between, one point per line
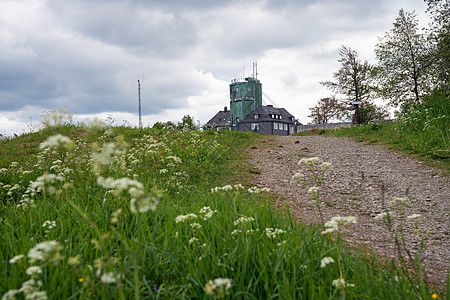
221 121
248 114
268 120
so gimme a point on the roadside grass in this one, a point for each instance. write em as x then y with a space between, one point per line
123 213
424 132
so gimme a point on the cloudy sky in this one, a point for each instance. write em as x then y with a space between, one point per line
87 55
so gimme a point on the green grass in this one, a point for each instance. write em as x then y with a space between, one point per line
424 132
149 254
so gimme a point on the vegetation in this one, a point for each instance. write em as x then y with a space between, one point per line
412 68
121 213
354 80
425 130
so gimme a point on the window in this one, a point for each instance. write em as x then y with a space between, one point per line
255 116
285 126
255 126
237 89
275 125
249 88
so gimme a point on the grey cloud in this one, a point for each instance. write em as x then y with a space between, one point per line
144 31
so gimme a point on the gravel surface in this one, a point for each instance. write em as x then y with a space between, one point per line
362 182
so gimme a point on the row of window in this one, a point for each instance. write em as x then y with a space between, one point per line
280 126
248 89
272 116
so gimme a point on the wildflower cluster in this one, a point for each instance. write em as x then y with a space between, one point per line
337 222
274 232
326 261
47 252
256 190
56 141
313 174
227 187
243 220
218 288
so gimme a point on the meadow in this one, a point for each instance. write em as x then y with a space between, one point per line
100 212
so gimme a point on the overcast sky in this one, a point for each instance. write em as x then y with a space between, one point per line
87 55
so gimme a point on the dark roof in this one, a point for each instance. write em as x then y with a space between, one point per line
265 112
222 118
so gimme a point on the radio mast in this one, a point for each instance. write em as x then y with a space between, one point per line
139 102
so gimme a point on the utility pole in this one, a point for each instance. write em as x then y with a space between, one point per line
139 101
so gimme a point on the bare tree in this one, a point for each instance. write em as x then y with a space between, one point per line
326 110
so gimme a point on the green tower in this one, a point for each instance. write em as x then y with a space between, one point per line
245 97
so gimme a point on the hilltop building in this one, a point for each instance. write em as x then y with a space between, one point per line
248 114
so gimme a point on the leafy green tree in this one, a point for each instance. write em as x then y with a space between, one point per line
355 81
187 123
404 62
440 12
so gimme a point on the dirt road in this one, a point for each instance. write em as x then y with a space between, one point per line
355 186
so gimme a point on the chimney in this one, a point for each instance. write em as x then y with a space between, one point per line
225 109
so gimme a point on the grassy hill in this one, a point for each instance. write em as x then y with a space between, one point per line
124 213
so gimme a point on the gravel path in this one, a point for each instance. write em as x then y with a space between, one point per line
355 187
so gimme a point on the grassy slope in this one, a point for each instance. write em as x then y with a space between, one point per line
151 254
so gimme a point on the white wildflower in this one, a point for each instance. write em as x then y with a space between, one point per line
398 201
257 190
193 240
415 218
110 277
55 141
325 165
196 226
336 222
218 288
41 250
308 161
297 176
49 224
16 259
273 233
326 261
384 216
120 184
207 212
313 191
243 220
163 171
143 205
341 284
34 270
182 218
10 295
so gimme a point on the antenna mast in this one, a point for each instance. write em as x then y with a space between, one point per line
139 102
255 70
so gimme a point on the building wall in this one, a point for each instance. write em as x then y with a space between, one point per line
301 128
266 127
245 97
